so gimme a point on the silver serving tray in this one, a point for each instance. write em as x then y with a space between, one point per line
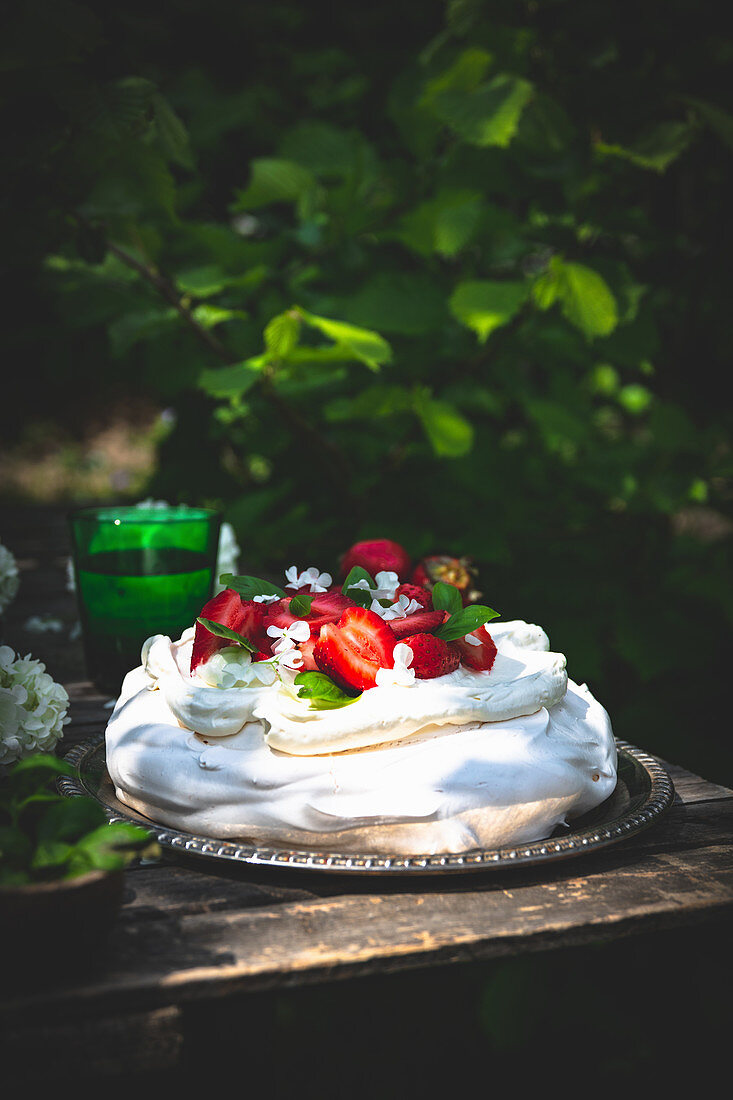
643 793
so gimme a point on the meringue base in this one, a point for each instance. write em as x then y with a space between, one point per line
446 789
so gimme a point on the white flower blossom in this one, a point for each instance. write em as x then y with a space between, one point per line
401 675
310 578
385 585
33 707
398 610
291 659
265 599
289 636
9 577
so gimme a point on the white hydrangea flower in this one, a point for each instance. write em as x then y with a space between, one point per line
33 707
401 675
9 577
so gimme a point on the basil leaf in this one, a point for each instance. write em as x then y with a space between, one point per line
446 597
362 596
249 587
300 605
465 622
224 632
322 692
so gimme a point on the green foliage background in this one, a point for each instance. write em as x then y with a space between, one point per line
457 274
451 273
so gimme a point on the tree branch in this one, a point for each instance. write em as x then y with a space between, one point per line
332 459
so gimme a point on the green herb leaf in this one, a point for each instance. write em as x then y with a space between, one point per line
249 587
322 692
224 632
300 605
465 622
446 597
361 596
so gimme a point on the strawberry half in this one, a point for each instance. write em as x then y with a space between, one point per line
352 650
377 556
229 609
327 607
420 622
479 657
431 656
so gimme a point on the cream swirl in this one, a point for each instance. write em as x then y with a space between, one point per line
525 677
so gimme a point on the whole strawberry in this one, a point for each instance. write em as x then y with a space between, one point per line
431 656
460 572
377 556
416 593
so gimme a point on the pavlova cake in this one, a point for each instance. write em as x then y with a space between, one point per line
388 713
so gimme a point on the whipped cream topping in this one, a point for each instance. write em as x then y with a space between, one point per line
525 677
462 761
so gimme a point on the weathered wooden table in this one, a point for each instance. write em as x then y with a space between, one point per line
198 964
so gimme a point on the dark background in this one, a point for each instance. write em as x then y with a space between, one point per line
581 454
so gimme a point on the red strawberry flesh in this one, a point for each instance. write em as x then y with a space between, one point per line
419 622
479 657
228 609
354 649
326 607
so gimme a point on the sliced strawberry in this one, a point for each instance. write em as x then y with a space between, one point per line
431 656
420 622
309 660
417 593
352 650
229 609
479 657
327 607
377 556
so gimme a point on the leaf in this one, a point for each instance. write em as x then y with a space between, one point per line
275 181
489 114
70 819
465 622
300 605
584 296
362 344
109 847
322 692
446 597
485 305
396 302
249 587
586 300
449 433
281 334
362 596
172 134
232 381
224 632
714 117
656 150
464 75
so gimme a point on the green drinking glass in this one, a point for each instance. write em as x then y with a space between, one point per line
139 571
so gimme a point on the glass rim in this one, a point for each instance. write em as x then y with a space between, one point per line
115 515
